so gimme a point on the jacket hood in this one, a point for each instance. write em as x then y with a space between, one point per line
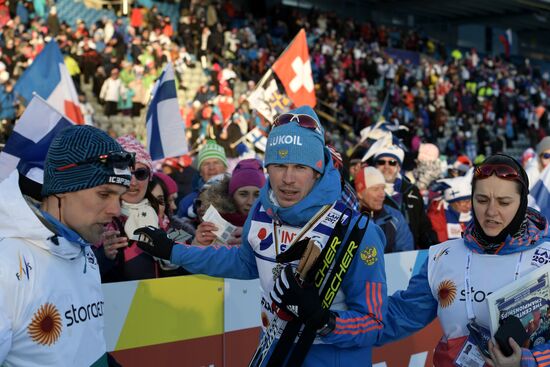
534 233
19 218
218 196
326 191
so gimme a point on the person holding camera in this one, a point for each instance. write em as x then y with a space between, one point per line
51 301
498 247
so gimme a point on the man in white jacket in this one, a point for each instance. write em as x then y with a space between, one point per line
51 302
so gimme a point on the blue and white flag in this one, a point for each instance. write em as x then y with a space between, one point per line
165 126
48 77
28 144
539 196
257 139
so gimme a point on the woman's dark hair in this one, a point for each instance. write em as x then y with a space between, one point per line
153 200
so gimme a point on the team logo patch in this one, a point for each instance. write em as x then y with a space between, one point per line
442 252
45 327
541 256
24 268
283 153
369 255
446 293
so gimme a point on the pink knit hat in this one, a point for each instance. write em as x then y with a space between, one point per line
130 144
248 172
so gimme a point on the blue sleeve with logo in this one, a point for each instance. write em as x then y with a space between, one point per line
411 309
236 262
364 287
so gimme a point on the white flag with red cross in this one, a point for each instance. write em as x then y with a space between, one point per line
293 68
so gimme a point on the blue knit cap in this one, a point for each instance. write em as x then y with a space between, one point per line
293 144
76 144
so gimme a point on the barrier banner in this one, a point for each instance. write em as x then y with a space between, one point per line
197 320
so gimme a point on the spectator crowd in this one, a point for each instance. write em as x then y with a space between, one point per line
442 110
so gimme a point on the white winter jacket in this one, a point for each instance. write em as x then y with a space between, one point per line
51 302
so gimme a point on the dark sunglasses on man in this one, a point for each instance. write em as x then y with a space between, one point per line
303 120
118 160
383 162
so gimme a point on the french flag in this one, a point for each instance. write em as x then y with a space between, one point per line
165 127
28 144
48 77
539 197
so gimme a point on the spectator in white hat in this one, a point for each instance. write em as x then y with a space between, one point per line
402 195
369 184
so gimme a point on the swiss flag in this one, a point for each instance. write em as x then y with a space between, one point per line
293 69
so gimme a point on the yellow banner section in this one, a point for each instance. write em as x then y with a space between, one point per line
173 309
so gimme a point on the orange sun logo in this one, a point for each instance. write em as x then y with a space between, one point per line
45 327
446 293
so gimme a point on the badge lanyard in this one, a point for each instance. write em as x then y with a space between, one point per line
313 221
469 303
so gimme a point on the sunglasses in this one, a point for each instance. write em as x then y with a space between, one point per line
500 170
545 155
141 174
383 162
119 160
301 119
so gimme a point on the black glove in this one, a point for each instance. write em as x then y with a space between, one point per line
302 301
155 242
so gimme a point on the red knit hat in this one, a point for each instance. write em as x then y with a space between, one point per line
169 182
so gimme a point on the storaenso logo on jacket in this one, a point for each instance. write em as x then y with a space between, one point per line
84 313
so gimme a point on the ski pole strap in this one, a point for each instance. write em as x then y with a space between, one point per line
317 274
329 290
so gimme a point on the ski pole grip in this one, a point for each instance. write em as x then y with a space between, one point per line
308 259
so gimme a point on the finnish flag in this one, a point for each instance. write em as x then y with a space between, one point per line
258 139
28 144
165 126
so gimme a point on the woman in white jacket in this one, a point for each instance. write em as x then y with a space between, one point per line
502 243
